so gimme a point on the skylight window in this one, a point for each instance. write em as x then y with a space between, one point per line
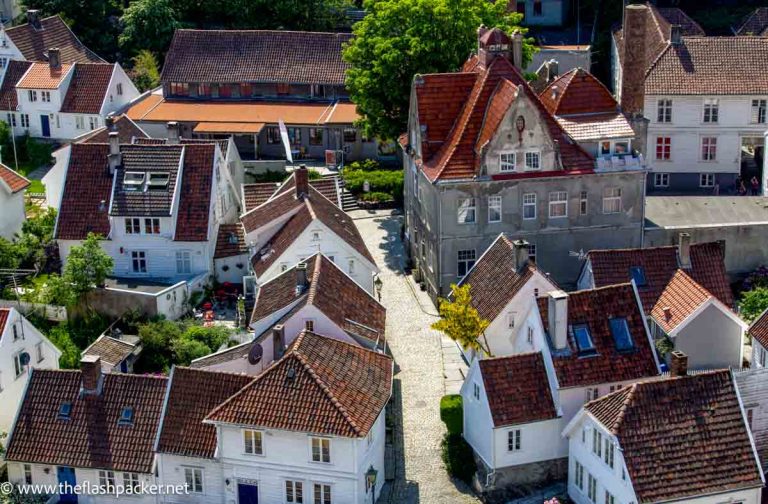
158 180
638 275
132 181
65 411
126 416
620 332
583 338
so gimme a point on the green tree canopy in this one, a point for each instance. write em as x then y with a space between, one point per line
87 266
461 322
753 303
145 73
148 25
401 38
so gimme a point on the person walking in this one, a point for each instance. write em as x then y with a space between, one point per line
755 186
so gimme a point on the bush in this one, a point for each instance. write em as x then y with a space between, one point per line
70 354
389 182
375 197
451 413
167 343
458 457
38 153
365 165
753 303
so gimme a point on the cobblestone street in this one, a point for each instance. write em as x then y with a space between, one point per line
420 382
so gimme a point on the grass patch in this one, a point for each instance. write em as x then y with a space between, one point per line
36 186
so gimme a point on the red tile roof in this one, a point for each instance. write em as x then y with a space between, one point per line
88 88
13 73
42 76
451 147
267 212
4 314
708 269
595 308
230 241
87 185
92 437
755 23
281 240
495 281
681 297
256 194
577 92
518 389
256 56
192 395
759 329
681 437
321 386
127 132
34 43
15 181
196 193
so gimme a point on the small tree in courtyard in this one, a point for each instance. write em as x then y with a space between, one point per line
87 266
461 322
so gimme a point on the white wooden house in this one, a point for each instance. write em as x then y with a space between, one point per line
12 212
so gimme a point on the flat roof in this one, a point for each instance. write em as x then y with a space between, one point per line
670 212
137 284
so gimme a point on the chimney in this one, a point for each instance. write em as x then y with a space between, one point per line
667 313
557 315
633 59
554 69
114 158
676 34
54 58
517 50
521 254
301 278
301 177
173 132
33 18
678 365
90 369
684 250
109 122
278 340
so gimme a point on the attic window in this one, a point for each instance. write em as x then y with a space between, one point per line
638 275
233 239
126 417
133 180
620 332
583 338
158 180
65 411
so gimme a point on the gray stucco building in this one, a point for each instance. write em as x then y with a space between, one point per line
483 155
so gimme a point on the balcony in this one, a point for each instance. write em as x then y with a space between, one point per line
618 163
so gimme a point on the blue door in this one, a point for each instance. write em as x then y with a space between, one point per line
67 482
45 125
247 494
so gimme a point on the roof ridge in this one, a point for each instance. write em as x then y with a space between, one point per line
313 284
623 408
209 371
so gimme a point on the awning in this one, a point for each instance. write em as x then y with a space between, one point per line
228 127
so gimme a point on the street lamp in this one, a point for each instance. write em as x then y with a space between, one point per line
370 482
378 284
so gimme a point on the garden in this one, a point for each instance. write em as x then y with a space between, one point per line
373 185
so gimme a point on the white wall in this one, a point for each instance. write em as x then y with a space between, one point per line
54 179
171 472
113 100
478 423
12 214
712 340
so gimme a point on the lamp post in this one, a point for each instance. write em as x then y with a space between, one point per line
378 284
370 481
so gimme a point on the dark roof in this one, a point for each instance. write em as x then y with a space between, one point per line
606 364
110 350
15 181
681 437
321 385
494 280
454 134
127 132
92 437
196 189
34 43
193 394
88 88
146 158
13 73
518 389
759 329
255 56
230 241
87 185
754 23
660 264
256 194
577 92
240 351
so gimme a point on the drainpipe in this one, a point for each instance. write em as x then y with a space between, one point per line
439 239
642 221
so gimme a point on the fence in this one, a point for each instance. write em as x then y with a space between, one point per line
49 312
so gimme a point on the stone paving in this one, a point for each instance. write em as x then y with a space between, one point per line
420 379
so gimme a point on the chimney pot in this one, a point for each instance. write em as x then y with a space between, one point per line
173 132
33 18
114 158
301 278
521 250
684 250
278 340
517 50
54 58
90 369
678 364
667 312
301 178
557 315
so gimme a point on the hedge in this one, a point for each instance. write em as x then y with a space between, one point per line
458 457
390 182
451 413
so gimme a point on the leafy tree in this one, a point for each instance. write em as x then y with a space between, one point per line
145 74
168 342
9 254
753 303
186 349
148 25
70 353
57 291
401 38
87 266
461 322
156 339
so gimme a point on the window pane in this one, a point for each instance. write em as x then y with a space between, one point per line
620 332
583 338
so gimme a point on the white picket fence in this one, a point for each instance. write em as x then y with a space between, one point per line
50 312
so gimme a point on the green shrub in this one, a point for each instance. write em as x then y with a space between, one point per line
270 176
364 165
375 197
70 354
753 303
458 457
390 182
451 413
39 153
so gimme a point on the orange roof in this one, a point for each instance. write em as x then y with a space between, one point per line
565 47
682 296
14 181
155 108
228 127
40 76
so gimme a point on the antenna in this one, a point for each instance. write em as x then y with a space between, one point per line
581 255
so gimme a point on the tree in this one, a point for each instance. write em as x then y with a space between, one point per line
156 339
87 266
148 25
401 38
753 303
145 74
9 254
57 291
461 322
70 353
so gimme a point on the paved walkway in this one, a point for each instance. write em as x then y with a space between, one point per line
419 376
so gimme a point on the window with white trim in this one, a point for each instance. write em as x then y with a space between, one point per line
664 110
529 337
24 120
321 450
476 391
309 325
597 442
583 203
139 261
661 179
591 393
131 480
759 108
529 206
45 96
466 259
609 498
578 476
39 352
12 119
93 122
532 255
32 95
708 148
79 122
706 180
711 110
132 226
253 442
507 161
193 477
294 492
591 488
611 200
608 454
18 366
107 480
494 208
533 160
152 226
467 211
514 440
183 262
558 204
322 493
119 89
27 474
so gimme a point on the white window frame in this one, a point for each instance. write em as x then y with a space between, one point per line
32 95
494 205
664 110
253 442
27 474
106 480
39 352
131 480
45 96
583 203
612 200
758 105
706 180
476 391
591 487
507 161
93 122
710 111
708 151
141 256
309 324
609 453
323 450
467 206
557 199
578 475
24 120
150 230
661 180
529 201
665 142
465 259
532 256
79 122
194 477
294 491
18 368
514 440
183 262
322 487
609 498
528 164
597 443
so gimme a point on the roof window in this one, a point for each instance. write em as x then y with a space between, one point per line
126 416
620 332
583 339
132 181
158 180
638 275
65 411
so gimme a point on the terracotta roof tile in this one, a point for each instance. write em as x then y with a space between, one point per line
606 364
193 394
279 206
230 241
196 190
92 437
280 241
13 73
42 76
111 351
518 389
681 297
577 92
708 269
597 126
255 56
34 43
321 386
681 437
128 132
15 181
4 314
755 23
88 88
759 329
256 194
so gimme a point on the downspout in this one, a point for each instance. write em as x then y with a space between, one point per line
439 239
642 216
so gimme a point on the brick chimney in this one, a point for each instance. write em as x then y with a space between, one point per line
90 369
173 132
676 34
115 159
278 341
684 250
54 58
633 59
33 18
517 50
301 177
522 254
557 317
678 365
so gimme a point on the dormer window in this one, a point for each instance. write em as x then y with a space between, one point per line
132 181
126 416
583 338
620 332
65 411
158 180
507 161
638 275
